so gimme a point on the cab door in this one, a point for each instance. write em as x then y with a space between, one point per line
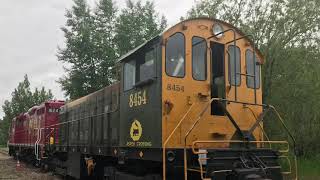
217 72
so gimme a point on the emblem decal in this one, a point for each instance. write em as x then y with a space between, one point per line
135 130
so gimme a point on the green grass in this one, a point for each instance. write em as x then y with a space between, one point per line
309 168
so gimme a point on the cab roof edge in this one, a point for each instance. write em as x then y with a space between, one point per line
123 57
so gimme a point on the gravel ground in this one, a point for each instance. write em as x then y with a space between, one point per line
9 170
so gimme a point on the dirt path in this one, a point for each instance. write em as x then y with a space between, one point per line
9 170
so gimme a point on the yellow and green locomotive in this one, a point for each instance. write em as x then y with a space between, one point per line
188 106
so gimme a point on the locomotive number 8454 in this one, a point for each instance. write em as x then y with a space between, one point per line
188 106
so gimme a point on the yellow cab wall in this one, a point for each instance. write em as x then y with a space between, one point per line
210 127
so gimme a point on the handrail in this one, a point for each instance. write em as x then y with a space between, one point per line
284 125
261 128
187 134
235 55
194 151
167 140
291 136
238 141
283 151
254 61
227 141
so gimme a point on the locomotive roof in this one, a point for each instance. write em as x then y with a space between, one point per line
192 19
138 47
83 99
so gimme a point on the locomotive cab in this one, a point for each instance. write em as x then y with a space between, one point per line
203 60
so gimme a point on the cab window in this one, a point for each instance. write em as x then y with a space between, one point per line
147 66
175 55
234 65
250 70
129 75
140 69
199 59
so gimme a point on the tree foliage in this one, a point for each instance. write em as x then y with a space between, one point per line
136 24
287 32
96 37
79 53
22 99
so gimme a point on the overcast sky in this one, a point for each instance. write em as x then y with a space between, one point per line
29 36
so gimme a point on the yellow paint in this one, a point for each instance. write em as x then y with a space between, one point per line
196 92
135 130
138 98
90 166
51 140
141 154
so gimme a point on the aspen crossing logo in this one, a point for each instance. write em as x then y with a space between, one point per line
135 134
135 130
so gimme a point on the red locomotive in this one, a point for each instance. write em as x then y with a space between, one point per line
32 130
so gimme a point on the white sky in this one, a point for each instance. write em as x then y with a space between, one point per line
29 36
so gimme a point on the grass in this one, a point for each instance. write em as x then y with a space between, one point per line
309 168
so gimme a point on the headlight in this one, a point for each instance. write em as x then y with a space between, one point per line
217 29
171 156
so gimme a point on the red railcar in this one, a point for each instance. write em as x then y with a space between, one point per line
31 131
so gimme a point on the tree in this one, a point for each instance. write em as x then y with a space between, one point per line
96 38
136 24
287 32
79 52
22 99
104 27
276 25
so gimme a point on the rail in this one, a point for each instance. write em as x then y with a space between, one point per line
258 120
284 151
247 141
167 140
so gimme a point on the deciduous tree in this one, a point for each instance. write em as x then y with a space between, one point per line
96 37
79 52
22 99
136 24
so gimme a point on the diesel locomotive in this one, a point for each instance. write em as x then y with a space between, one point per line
188 106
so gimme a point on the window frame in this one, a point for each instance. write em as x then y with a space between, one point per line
206 59
144 53
254 63
184 55
229 67
124 74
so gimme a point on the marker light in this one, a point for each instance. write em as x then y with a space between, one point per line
216 29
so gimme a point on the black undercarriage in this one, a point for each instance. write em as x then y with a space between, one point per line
221 164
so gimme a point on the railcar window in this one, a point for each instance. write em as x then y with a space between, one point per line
129 74
250 70
232 65
147 67
52 110
199 58
175 55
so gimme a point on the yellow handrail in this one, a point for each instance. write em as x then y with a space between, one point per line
286 150
167 140
186 135
223 141
239 141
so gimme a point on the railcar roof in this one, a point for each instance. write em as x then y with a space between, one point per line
137 48
192 19
83 99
